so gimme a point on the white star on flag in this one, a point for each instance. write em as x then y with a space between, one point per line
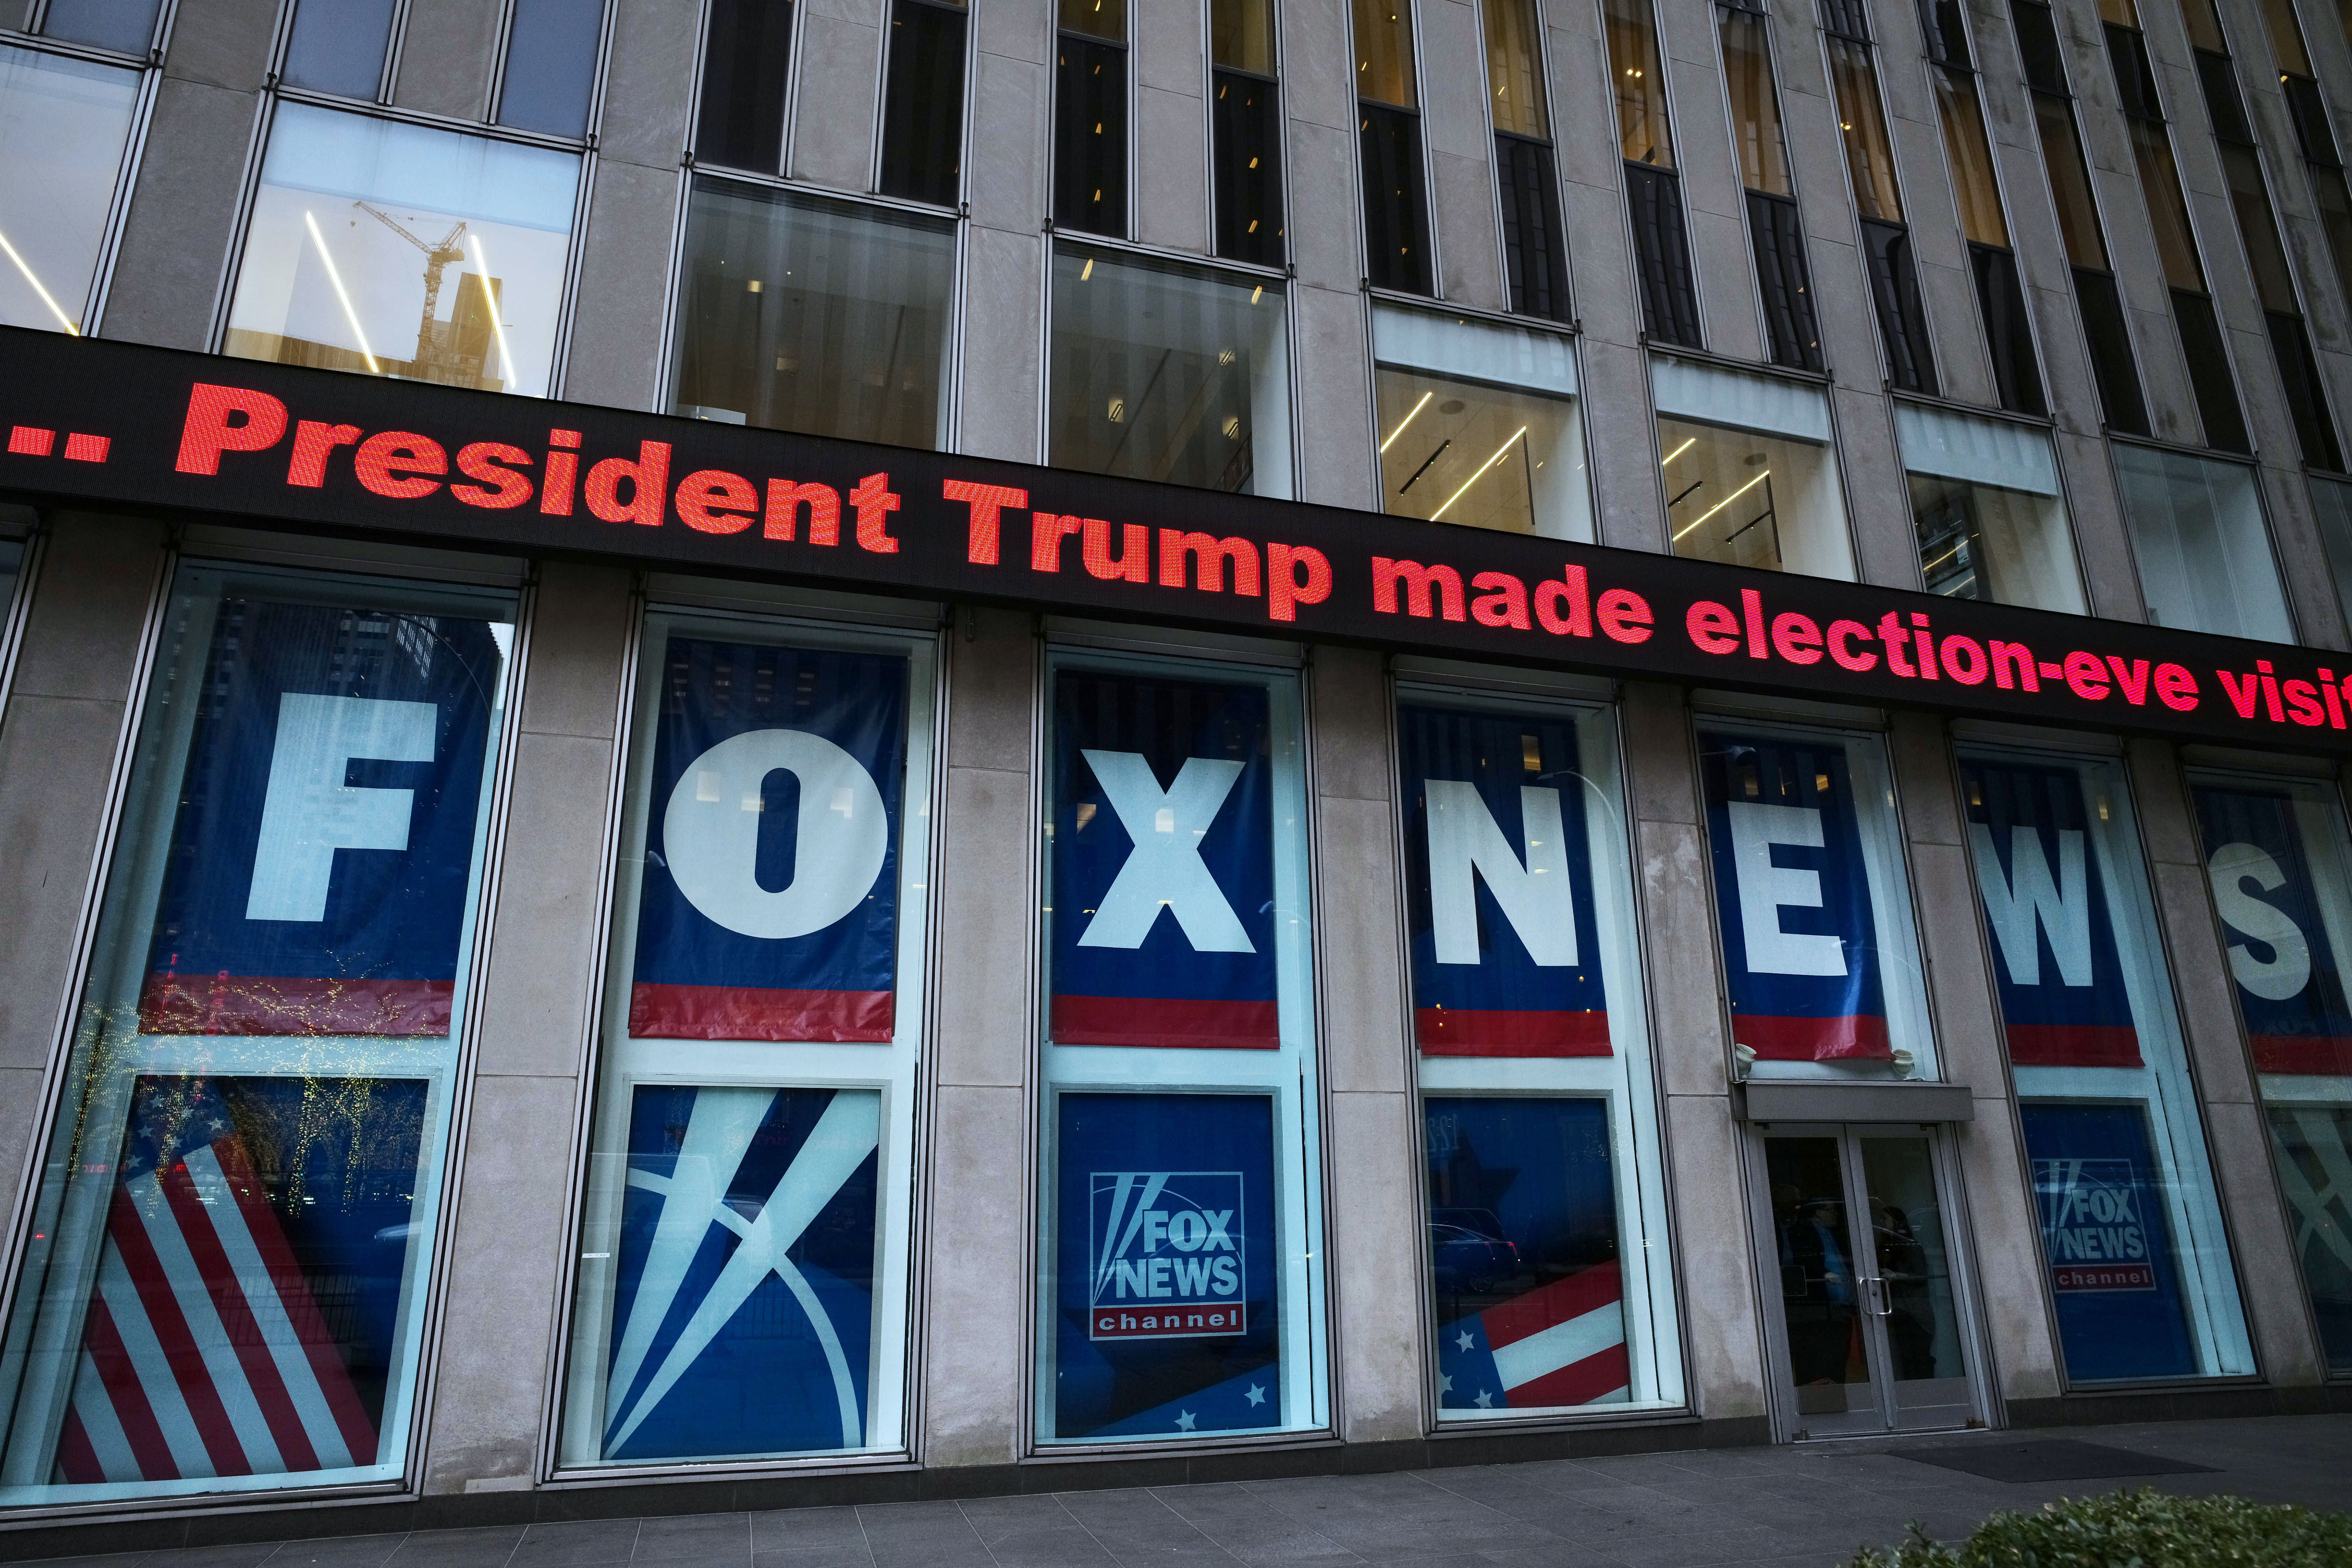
1445 1382
1184 1419
1256 1395
1463 1343
1484 1401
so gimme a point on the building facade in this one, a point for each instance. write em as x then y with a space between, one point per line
769 754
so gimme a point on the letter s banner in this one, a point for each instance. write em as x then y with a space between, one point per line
1792 891
1166 1310
769 905
2283 951
2108 1245
2045 902
1163 863
319 867
1498 871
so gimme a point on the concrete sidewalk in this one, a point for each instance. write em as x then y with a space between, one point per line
1787 1506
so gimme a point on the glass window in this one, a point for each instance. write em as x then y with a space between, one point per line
63 125
1645 135
2138 1265
224 1272
1241 34
1652 192
1775 229
125 24
746 56
338 46
1755 109
1180 1291
396 249
922 102
2281 866
1384 52
742 1292
1090 118
552 65
1985 501
2331 505
1551 1273
1751 476
1515 68
1479 424
1813 904
2203 551
1168 372
829 319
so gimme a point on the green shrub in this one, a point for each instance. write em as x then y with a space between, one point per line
2142 1529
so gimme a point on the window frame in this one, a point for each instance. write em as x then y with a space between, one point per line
1428 173
2047 429
959 206
1278 81
2116 440
1762 11
594 120
1543 65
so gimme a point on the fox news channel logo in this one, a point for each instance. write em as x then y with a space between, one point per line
2092 1224
1166 1255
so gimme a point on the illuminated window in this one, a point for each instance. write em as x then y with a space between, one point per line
1479 424
2202 549
64 126
1653 189
1985 499
1090 117
1749 472
823 317
1388 126
401 251
1175 373
1783 276
1245 132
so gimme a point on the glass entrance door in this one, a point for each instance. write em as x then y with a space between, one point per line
1874 1341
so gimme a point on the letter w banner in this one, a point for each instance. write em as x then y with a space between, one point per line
743 1318
317 878
2281 950
769 908
1793 893
1163 864
2045 902
1498 864
242 1319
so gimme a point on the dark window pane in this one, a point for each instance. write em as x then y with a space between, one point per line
1784 281
2008 333
2110 340
1661 252
922 107
1090 137
2250 198
2307 398
1396 209
1095 19
2070 181
2311 127
742 122
338 46
1532 242
2167 208
1902 319
552 65
2208 371
2222 100
2334 200
1946 32
1846 19
2037 43
125 24
2135 78
1245 122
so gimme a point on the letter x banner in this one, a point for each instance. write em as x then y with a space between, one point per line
1163 863
1498 864
1792 891
770 902
317 878
2283 951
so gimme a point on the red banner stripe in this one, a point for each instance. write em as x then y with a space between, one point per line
2322 1056
275 1005
757 1012
1493 1032
2074 1046
1860 1036
126 1227
141 1427
1578 1382
1179 1022
1551 1305
76 1460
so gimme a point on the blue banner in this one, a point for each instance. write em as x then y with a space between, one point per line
315 880
1163 863
769 899
743 1319
2054 955
2100 1198
1499 886
1167 1315
2290 977
1523 1249
1800 939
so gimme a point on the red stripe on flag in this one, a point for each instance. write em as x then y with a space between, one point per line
1858 1035
128 1227
2074 1046
2322 1056
270 1004
1492 1032
252 1346
294 1296
133 1409
76 1460
1551 1305
1176 1021
752 1013
1578 1382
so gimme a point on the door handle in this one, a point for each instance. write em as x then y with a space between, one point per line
1874 1291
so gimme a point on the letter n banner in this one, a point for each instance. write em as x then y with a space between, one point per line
769 903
